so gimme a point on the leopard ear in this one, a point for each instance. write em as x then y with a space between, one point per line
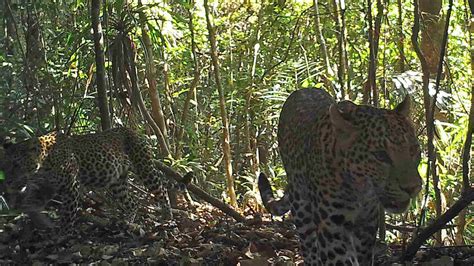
336 112
6 143
344 130
404 107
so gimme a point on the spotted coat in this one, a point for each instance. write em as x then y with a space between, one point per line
342 160
57 166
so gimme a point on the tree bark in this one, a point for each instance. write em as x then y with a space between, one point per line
371 95
322 45
192 88
129 55
100 65
156 108
401 38
466 154
341 69
202 194
431 36
225 124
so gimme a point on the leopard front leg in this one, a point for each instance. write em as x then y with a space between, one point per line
365 234
69 197
302 211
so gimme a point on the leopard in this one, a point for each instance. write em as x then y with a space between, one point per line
343 163
62 167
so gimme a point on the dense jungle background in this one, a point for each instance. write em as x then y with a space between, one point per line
206 80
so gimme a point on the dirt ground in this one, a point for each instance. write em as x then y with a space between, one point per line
198 235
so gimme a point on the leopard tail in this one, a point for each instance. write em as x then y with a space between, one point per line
276 207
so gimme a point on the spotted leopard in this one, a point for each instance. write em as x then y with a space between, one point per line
342 160
57 166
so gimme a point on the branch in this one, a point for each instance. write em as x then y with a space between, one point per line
466 199
225 208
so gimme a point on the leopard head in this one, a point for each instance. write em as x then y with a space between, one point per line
380 147
36 193
43 185
21 160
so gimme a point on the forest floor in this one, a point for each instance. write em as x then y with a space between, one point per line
198 235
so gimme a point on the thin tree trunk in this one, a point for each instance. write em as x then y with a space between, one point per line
9 29
432 32
442 53
249 113
341 70
344 49
129 55
225 123
328 72
431 167
156 109
192 88
100 65
401 38
466 155
370 91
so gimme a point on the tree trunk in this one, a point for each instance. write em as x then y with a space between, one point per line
9 29
432 33
156 109
371 85
129 55
466 155
345 55
192 89
225 124
401 38
429 102
249 118
439 73
341 70
322 46
8 42
100 65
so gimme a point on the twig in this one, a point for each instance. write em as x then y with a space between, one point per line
287 52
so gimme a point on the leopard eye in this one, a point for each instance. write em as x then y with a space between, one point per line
382 156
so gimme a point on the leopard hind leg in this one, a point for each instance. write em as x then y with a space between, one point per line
153 179
121 191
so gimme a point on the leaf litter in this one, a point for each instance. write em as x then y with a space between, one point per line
198 235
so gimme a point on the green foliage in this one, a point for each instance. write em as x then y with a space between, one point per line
266 50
